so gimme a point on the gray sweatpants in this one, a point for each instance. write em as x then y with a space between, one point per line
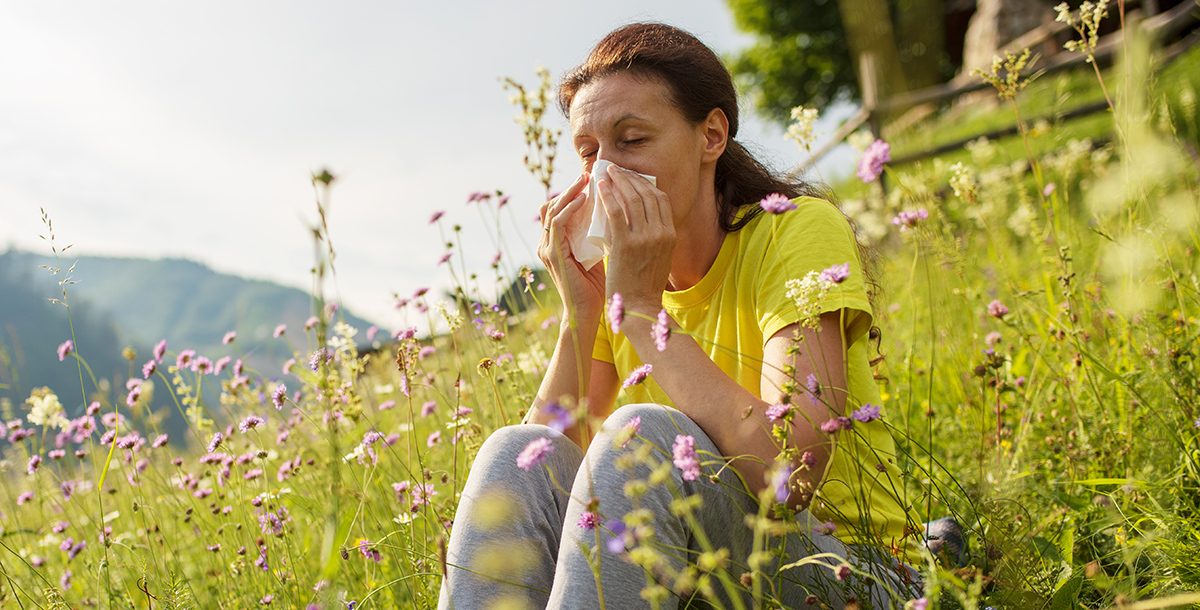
521 537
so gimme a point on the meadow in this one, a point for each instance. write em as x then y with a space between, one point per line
1039 317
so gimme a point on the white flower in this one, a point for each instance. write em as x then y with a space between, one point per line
1063 13
962 182
801 129
47 411
808 293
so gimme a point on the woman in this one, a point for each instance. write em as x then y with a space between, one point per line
696 251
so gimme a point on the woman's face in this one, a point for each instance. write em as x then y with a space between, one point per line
631 122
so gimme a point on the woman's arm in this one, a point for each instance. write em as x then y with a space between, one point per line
572 373
733 417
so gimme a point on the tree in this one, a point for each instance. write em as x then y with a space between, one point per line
805 52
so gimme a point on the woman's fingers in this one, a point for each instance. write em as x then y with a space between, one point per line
622 182
649 196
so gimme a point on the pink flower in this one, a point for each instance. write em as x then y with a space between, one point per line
64 349
631 429
251 422
229 337
24 497
661 331
149 368
222 362
826 528
279 395
433 439
34 461
776 203
427 408
920 603
837 423
637 376
814 387
778 412
685 457
215 442
160 350
843 572
616 312
436 216
1048 189
184 358
310 322
837 273
387 404
534 453
996 309
907 220
587 520
871 163
279 330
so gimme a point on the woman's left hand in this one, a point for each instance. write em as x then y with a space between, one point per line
643 239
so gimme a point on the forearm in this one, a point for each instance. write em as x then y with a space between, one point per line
567 375
732 416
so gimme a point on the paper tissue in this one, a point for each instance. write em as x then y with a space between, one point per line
590 243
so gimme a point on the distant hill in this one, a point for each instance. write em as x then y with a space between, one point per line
137 302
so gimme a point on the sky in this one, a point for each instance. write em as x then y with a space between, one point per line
155 129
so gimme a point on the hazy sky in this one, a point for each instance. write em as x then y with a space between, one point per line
190 129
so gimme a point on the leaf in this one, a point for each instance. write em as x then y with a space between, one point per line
1067 592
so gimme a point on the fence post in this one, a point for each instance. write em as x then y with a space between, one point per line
868 85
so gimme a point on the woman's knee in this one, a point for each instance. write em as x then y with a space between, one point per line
504 444
656 423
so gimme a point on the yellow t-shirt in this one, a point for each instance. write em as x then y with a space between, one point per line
740 303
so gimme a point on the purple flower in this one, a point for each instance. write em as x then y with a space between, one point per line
561 417
34 461
637 376
202 365
65 581
267 599
160 350
907 220
135 391
1048 189
776 203
310 322
251 422
871 163
534 453
436 436
436 216
631 429
826 528
781 482
616 312
427 408
279 330
866 413
159 441
814 387
64 349
685 460
387 404
24 497
661 330
217 437
149 368
992 338
996 309
364 547
587 520
843 571
184 358
616 544
278 396
778 412
920 603
221 363
229 337
836 274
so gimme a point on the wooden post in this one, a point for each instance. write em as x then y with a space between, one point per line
868 83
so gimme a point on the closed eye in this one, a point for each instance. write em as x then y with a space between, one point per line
633 141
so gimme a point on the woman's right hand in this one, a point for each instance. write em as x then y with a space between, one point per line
581 291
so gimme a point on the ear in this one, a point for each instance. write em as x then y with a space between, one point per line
715 131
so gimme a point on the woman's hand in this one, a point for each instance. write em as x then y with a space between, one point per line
581 291
643 238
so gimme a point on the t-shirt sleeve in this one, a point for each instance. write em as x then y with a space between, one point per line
602 350
813 237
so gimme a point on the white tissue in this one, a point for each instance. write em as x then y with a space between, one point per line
591 245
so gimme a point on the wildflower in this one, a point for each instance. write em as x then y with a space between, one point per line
317 357
445 258
834 424
149 368
801 129
661 330
779 412
628 431
310 322
776 203
436 216
921 603
866 413
616 312
1048 189
287 366
813 386
46 410
561 417
135 391
278 396
422 493
992 338
160 350
387 404
780 481
827 528
870 166
637 376
685 460
65 581
34 461
217 437
64 349
426 352
267 599
24 497
836 274
808 293
616 544
807 459
237 367
251 422
907 220
364 547
274 522
401 488
427 408
279 330
202 365
229 337
159 441
534 453
261 562
962 182
433 438
843 571
587 520
184 359
996 309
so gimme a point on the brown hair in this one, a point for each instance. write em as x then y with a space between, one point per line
699 82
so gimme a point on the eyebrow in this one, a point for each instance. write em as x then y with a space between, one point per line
625 117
